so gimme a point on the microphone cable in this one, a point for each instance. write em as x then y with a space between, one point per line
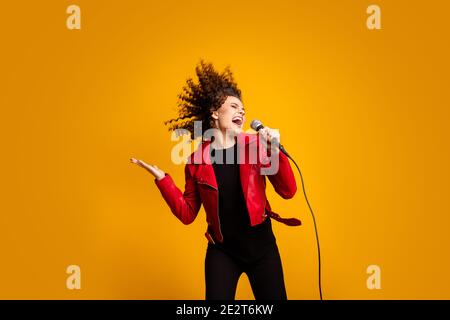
312 214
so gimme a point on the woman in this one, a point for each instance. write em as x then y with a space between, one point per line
230 187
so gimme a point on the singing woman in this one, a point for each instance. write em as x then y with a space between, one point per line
230 187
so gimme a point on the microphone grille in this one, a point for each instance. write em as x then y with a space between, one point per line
256 125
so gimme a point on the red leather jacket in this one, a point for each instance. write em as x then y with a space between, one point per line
201 187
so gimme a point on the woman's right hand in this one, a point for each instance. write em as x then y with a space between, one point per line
154 170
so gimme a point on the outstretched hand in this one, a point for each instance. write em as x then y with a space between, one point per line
153 169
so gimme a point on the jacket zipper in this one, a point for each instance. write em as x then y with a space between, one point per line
211 238
218 216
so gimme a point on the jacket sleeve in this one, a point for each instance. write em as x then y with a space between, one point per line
184 205
283 180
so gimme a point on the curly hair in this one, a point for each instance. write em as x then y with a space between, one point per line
198 100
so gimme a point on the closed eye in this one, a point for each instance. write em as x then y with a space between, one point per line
236 106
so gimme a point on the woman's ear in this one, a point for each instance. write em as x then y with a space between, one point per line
215 114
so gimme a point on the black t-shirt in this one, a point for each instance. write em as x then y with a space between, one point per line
240 239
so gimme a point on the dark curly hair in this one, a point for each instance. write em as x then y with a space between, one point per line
198 100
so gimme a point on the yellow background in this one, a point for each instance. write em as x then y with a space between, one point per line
365 114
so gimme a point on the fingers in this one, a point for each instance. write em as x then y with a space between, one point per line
141 163
136 161
153 169
270 134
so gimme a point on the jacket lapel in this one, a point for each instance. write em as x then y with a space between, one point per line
205 173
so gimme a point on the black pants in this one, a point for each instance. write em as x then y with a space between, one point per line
222 273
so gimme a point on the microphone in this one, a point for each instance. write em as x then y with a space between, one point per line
257 125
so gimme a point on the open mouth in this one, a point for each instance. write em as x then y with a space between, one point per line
237 121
